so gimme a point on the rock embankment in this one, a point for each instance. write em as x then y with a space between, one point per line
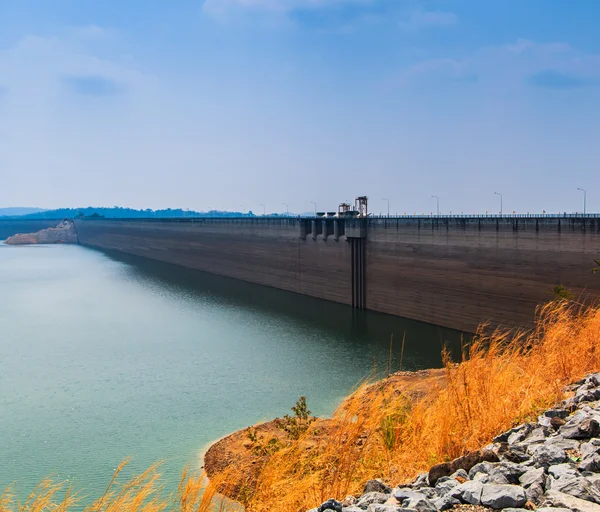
552 465
64 233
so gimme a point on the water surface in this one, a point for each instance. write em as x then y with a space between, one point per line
104 356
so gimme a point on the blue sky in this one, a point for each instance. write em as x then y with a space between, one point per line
231 104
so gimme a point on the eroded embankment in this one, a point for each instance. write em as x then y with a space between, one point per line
64 233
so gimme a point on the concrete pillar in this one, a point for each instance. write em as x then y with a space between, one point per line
336 230
314 229
303 230
324 229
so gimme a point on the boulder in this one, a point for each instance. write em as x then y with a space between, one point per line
503 496
580 426
446 502
465 462
533 477
332 505
421 481
376 486
547 455
445 485
468 492
389 508
577 486
557 499
372 497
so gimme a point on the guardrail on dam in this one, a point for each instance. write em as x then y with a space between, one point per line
455 272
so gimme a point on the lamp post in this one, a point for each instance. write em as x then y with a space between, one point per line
499 194
438 204
584 199
312 202
388 202
264 210
287 208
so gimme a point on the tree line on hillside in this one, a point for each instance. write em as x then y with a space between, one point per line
128 213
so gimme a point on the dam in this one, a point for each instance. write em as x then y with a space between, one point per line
455 272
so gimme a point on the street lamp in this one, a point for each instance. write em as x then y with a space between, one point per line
388 202
264 210
584 199
312 202
438 204
287 208
499 194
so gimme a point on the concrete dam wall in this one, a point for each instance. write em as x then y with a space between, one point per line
10 227
454 272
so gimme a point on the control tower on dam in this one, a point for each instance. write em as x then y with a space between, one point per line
452 271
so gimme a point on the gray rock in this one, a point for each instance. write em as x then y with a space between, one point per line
566 470
330 504
533 477
593 379
580 426
372 497
483 467
561 442
537 435
511 470
519 433
460 473
421 481
590 463
404 493
503 496
420 503
535 493
445 485
553 509
557 499
579 487
429 492
511 509
377 486
547 455
352 508
468 492
545 418
516 453
446 502
592 446
389 508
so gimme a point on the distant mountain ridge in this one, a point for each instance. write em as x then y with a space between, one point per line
120 213
19 211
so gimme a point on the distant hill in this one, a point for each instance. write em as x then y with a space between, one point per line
19 211
126 213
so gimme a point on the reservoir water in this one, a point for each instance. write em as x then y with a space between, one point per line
104 357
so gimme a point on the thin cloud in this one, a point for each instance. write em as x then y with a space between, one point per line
93 32
551 79
93 85
419 20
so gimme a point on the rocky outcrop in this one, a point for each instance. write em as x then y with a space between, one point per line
64 233
551 465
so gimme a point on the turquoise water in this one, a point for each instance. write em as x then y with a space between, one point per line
104 357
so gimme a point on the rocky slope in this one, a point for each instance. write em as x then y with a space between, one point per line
552 465
64 233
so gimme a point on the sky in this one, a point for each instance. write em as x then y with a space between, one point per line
235 104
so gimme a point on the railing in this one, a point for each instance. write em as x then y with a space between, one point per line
383 217
491 216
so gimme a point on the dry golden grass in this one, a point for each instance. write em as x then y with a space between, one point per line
503 379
